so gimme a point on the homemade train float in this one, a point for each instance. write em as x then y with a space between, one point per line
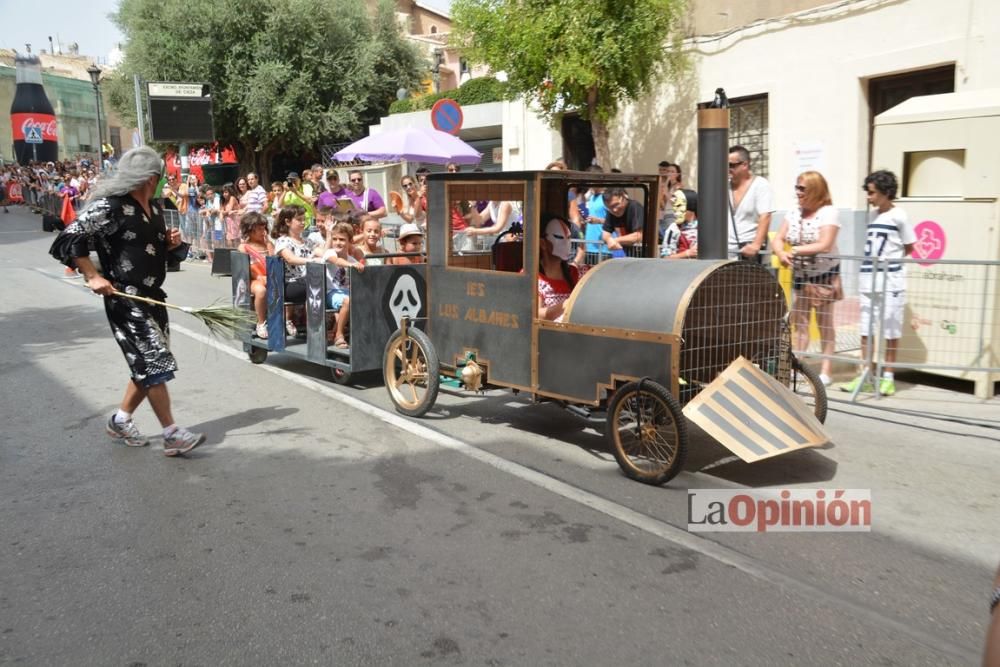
644 342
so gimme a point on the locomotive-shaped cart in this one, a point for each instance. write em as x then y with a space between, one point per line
641 337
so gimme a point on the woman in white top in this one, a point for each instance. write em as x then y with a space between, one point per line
500 213
415 208
811 230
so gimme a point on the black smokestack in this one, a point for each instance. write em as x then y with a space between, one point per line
713 179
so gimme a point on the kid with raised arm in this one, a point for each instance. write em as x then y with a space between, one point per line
340 255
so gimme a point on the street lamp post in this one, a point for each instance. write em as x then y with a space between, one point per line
95 78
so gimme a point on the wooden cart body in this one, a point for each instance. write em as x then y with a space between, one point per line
678 322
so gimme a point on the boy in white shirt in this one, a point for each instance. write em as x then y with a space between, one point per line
889 237
340 255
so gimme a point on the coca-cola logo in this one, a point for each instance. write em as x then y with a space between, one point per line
48 129
26 125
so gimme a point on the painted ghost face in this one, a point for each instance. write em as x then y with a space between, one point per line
241 299
557 233
405 299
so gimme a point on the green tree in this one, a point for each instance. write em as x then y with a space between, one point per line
590 56
286 75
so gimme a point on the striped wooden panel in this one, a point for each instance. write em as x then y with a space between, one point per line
753 415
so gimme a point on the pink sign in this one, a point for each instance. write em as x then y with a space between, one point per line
930 243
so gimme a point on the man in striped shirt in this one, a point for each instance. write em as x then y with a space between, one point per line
256 197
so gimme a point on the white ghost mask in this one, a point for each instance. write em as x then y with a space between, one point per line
557 233
405 299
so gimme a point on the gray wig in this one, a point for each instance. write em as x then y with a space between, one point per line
133 169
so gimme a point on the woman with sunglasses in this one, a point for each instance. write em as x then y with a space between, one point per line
415 209
811 230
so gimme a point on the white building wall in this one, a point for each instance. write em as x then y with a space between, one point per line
814 69
529 142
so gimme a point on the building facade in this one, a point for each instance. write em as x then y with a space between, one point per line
805 81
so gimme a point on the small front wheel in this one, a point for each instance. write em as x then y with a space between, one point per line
257 355
647 432
411 371
340 376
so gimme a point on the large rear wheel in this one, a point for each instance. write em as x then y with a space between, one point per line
647 432
411 372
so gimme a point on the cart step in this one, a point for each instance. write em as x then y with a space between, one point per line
339 352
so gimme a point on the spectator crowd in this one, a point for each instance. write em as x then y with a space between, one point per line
317 216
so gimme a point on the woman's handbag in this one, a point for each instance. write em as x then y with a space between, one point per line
822 293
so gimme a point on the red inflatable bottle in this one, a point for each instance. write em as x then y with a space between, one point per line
32 120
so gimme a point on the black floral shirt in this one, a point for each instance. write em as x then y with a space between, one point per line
131 245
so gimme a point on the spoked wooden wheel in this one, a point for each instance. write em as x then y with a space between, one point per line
411 371
805 383
647 432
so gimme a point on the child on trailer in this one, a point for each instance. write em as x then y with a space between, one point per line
371 234
411 239
317 237
340 254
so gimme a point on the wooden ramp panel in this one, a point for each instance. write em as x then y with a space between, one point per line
753 415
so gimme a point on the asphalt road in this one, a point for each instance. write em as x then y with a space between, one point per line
315 526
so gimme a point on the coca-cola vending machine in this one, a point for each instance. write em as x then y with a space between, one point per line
32 120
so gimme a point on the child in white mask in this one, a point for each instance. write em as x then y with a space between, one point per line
556 276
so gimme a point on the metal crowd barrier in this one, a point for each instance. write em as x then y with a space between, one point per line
205 233
950 323
48 203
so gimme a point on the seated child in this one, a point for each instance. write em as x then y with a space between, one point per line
680 241
411 239
340 255
556 275
371 233
317 237
253 230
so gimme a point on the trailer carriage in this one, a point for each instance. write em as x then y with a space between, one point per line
652 342
381 297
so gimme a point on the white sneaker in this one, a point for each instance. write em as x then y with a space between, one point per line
126 432
181 441
825 379
262 330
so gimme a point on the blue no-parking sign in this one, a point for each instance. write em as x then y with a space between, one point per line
446 115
